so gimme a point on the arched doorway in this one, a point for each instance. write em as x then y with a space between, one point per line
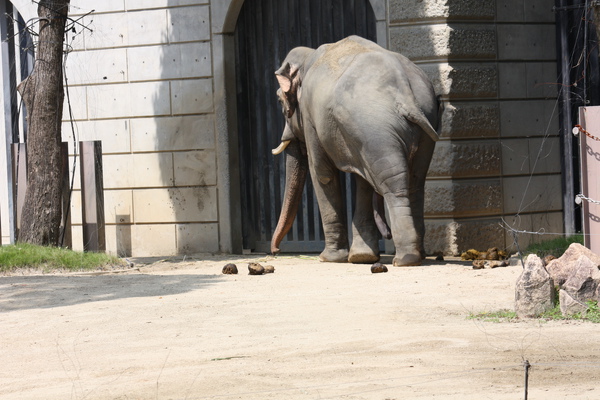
266 30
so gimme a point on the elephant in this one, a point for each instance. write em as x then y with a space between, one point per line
356 107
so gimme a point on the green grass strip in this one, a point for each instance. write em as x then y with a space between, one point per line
44 258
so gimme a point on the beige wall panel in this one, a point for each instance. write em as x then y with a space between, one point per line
153 240
147 27
109 31
138 170
188 24
129 100
515 156
175 61
192 96
118 206
175 205
195 168
81 6
97 66
145 4
114 134
197 238
173 133
78 101
525 194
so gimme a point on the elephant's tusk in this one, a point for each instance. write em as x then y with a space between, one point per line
281 147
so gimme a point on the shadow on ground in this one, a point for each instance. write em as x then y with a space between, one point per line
30 292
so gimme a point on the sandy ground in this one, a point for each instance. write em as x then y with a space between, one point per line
182 330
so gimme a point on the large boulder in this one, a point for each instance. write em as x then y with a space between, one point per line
561 269
534 293
581 285
570 305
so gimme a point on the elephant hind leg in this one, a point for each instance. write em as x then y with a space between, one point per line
365 237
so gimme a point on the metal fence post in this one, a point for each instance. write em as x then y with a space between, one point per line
92 196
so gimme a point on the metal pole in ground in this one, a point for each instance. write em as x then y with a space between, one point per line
527 366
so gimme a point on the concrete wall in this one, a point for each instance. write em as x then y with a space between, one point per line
154 81
494 63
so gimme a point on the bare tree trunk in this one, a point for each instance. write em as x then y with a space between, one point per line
43 95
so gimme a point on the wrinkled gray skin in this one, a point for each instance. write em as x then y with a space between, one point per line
356 107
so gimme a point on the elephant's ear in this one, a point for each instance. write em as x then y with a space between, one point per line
288 78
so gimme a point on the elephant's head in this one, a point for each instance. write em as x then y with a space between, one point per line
289 93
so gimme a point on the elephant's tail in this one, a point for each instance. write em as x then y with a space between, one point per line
415 115
441 108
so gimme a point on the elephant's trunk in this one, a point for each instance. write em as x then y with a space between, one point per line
295 177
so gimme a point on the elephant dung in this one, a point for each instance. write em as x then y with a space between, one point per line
255 269
378 268
230 269
269 269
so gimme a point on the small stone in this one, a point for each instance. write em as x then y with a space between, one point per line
255 269
378 268
269 269
439 256
479 264
230 269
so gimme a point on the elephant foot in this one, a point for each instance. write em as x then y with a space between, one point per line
335 255
407 260
362 257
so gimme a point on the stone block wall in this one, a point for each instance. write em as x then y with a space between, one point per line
494 63
142 82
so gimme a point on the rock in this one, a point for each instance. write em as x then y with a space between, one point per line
563 267
569 305
230 269
269 269
479 264
534 292
580 284
255 269
439 257
378 268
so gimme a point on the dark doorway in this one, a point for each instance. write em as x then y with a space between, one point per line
265 32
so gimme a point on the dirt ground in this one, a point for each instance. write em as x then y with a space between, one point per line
179 329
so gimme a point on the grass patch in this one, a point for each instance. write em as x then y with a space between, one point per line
495 316
555 247
592 314
46 259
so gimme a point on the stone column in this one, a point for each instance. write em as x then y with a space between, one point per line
487 60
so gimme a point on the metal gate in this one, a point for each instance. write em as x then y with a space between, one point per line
266 31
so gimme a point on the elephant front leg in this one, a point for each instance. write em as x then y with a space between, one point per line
327 185
365 236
